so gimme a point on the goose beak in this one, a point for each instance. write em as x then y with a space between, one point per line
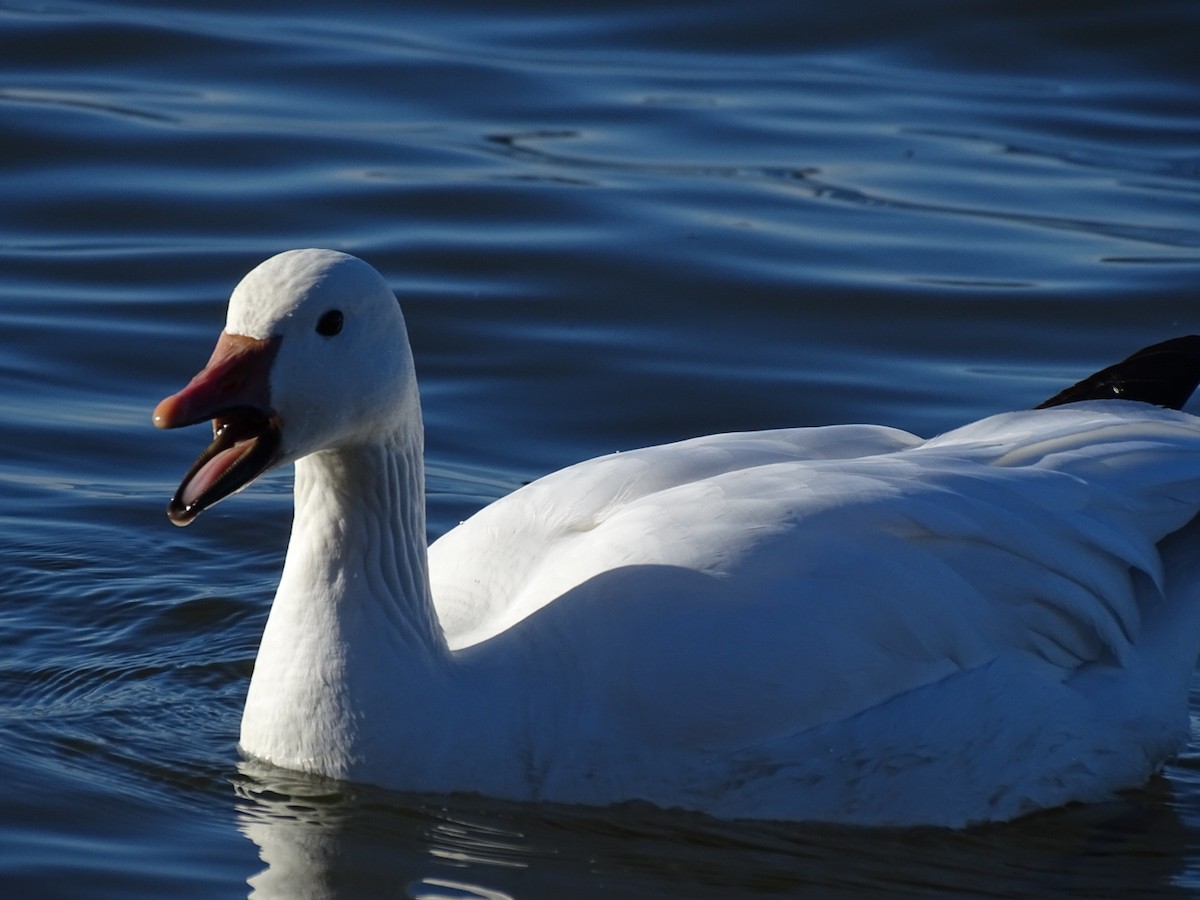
233 390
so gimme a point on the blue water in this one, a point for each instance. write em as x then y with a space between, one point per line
610 224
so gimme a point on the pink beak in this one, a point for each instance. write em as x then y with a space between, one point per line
237 375
234 391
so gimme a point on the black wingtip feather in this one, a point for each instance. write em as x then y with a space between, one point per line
1163 374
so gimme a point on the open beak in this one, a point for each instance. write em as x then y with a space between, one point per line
233 390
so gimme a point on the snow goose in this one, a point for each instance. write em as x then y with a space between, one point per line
843 623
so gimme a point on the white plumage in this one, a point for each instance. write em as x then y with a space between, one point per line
848 623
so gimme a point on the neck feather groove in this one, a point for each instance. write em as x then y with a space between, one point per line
353 637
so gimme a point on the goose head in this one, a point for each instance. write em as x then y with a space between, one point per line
314 356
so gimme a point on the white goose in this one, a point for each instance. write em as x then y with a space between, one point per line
845 624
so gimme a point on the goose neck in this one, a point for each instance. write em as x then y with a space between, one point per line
359 535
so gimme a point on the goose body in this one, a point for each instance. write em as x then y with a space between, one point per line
848 623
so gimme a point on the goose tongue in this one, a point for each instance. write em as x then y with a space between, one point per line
233 390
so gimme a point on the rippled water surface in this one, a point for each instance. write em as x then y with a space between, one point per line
610 224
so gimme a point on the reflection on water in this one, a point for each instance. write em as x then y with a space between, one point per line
320 840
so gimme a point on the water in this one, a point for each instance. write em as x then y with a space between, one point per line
610 224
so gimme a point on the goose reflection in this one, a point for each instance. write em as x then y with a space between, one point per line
326 840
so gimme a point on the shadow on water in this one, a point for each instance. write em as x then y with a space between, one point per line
321 840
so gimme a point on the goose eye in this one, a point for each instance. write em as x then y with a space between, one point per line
330 323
